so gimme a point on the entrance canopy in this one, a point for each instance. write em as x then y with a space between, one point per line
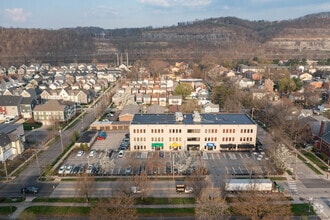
210 145
175 144
155 145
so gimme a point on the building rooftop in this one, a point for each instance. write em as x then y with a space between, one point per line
213 118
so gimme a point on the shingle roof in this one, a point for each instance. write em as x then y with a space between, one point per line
10 100
51 105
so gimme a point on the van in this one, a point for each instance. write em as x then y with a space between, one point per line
121 154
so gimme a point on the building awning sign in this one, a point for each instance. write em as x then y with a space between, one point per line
210 145
175 144
154 145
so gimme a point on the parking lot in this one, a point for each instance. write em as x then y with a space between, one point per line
106 161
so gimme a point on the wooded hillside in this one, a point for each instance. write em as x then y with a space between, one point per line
225 38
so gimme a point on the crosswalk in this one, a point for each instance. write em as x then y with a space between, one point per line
293 187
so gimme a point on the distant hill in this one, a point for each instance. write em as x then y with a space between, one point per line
225 37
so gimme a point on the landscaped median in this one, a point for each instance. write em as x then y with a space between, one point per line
149 207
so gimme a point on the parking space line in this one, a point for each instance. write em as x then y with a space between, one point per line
233 170
240 169
224 155
119 170
218 155
232 156
205 156
227 170
241 156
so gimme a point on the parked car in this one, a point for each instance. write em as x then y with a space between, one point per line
128 170
161 153
80 153
90 169
92 153
76 170
61 170
121 154
30 190
68 169
168 168
110 153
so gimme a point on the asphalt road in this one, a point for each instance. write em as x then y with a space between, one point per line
32 172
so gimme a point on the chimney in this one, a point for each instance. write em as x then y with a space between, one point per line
322 127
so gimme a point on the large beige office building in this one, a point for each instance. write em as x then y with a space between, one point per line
199 132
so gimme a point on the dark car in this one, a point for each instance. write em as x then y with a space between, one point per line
110 153
76 169
168 168
161 153
30 190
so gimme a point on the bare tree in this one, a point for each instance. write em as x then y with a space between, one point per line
142 182
262 206
211 204
197 180
118 207
154 164
85 186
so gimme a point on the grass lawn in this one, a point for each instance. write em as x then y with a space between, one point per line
6 210
58 211
166 212
302 210
315 160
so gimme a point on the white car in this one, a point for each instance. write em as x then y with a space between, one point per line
61 170
92 153
80 153
121 154
68 169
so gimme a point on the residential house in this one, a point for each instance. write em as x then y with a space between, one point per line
211 108
11 141
175 100
54 110
246 83
27 105
162 99
139 98
128 112
155 99
10 106
324 107
305 77
155 109
147 99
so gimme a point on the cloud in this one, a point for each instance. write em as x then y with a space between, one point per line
17 14
162 3
173 3
102 11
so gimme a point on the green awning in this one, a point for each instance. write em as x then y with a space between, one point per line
153 145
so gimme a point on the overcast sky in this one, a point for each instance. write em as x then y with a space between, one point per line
111 14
